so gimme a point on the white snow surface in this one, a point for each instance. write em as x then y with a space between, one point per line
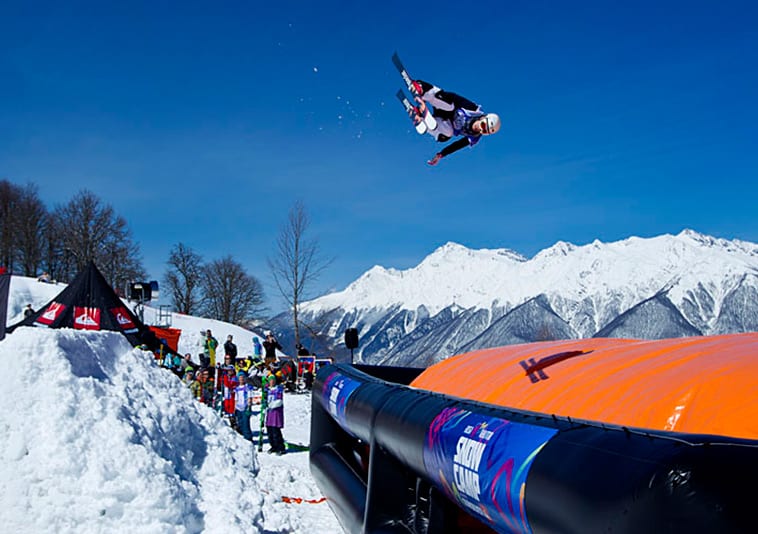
455 274
95 437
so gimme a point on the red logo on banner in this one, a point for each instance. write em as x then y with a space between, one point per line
51 313
86 318
124 321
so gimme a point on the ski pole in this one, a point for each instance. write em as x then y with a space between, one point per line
254 457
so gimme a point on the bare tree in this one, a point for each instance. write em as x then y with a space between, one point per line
298 262
119 256
91 231
183 279
229 293
22 228
30 230
9 198
56 261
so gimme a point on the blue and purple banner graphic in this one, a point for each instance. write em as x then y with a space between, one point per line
482 463
337 390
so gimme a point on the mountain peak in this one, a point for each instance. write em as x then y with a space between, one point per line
699 238
707 241
457 252
451 247
560 248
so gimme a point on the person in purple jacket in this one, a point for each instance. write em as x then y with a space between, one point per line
275 415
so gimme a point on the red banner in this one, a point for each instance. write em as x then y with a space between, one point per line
86 318
52 313
124 321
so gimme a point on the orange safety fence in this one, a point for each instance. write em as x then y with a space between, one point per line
703 385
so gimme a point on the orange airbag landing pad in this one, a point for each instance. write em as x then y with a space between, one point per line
702 385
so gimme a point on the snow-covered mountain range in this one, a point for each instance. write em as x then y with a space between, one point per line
458 299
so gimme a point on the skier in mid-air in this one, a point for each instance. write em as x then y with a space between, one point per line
455 116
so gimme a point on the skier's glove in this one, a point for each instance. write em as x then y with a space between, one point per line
436 159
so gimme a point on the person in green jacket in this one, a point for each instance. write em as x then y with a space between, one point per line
209 348
194 386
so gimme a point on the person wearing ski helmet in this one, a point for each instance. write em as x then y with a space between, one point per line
456 115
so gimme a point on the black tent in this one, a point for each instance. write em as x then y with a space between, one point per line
90 303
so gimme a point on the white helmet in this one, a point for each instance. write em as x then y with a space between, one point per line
493 123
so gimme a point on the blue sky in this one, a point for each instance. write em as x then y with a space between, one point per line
203 122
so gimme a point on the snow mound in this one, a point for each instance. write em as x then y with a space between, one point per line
93 437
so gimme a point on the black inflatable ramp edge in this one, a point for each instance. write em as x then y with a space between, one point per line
342 487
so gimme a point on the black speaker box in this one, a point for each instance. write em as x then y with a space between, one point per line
351 338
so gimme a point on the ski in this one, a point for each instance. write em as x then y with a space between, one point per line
429 120
413 112
296 447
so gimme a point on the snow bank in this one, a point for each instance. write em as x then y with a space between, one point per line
95 438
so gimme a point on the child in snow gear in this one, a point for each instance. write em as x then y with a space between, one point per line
275 416
194 386
208 388
243 401
229 383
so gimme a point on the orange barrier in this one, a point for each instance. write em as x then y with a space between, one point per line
171 335
702 385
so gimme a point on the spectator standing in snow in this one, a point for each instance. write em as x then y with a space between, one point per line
243 401
229 382
307 364
205 360
195 387
209 348
172 361
275 415
255 374
244 364
188 364
257 348
28 311
288 375
270 344
230 349
207 387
